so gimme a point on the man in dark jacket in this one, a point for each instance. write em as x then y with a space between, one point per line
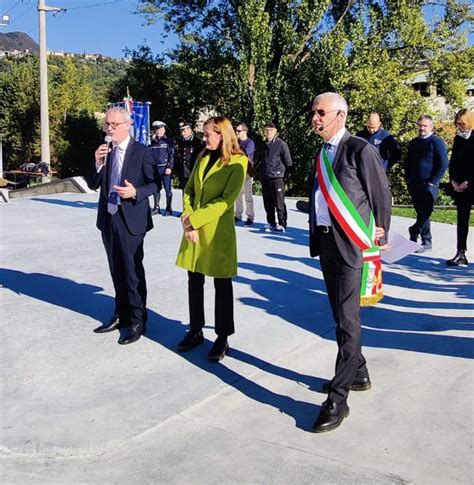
338 212
382 140
125 173
189 146
162 151
274 171
426 163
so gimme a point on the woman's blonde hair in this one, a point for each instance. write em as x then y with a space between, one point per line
465 116
230 144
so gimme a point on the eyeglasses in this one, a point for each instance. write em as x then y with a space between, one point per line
322 113
239 131
112 124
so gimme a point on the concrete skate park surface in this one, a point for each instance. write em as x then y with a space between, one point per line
78 408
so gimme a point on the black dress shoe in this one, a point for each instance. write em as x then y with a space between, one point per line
359 384
131 334
458 260
331 416
191 340
111 325
219 350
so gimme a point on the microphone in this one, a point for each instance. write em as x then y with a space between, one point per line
108 140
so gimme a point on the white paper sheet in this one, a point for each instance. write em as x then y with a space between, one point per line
401 247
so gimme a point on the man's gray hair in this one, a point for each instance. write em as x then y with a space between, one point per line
426 118
339 102
125 114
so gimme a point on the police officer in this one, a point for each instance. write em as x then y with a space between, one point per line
162 150
189 146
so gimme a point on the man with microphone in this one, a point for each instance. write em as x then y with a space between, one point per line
124 171
349 219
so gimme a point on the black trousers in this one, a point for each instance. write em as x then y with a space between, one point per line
223 306
423 197
273 192
125 257
464 202
343 287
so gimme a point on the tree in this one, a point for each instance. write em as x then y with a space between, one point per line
267 59
77 89
19 121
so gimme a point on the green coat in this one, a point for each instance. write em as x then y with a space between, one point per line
210 205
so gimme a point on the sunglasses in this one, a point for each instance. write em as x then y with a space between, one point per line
239 131
322 113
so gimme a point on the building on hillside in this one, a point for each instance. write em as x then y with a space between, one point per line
420 82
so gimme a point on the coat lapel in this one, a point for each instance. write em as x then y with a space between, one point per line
340 151
203 164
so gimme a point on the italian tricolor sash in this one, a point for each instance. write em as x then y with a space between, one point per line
354 226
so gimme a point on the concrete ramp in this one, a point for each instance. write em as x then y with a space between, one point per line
73 184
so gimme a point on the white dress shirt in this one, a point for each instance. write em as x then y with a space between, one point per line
320 206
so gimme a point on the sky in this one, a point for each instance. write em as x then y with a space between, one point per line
104 27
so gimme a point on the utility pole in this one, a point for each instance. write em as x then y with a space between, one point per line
3 23
44 106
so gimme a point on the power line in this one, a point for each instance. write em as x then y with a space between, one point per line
95 5
22 14
11 8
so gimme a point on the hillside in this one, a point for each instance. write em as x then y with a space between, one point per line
18 41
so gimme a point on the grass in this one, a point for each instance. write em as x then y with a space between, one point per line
447 216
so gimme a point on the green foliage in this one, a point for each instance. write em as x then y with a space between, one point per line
19 121
77 89
446 216
261 60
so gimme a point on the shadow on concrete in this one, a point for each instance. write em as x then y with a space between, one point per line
78 204
301 300
86 299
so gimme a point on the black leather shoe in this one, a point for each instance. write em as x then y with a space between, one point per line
359 384
110 326
191 340
458 260
219 350
131 334
331 416
248 222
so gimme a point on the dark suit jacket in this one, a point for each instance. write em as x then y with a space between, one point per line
139 169
359 169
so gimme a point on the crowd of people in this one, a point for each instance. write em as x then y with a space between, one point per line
350 210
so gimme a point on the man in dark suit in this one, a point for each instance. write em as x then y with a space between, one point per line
359 171
126 176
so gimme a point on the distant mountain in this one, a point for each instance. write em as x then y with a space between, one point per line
18 41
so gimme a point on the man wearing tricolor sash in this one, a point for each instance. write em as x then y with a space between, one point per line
350 207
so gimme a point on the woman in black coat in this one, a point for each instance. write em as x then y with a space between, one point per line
461 175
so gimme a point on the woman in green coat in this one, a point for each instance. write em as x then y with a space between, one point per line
209 245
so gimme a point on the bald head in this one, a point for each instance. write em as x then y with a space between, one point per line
373 123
